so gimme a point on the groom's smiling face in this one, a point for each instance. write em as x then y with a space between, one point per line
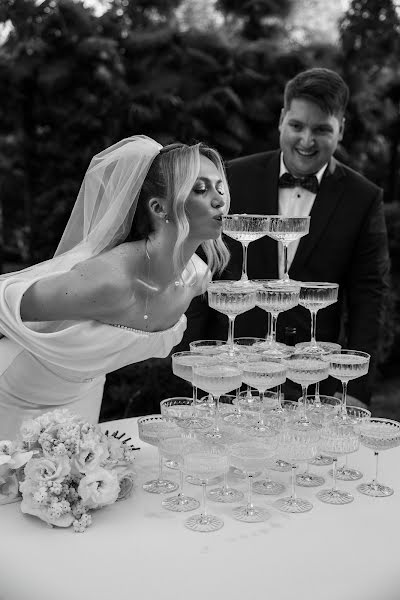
308 136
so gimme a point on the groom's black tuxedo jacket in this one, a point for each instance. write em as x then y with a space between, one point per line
346 244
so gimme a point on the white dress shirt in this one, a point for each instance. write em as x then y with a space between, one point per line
294 202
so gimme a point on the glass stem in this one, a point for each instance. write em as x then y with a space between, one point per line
203 500
280 397
231 329
181 482
216 412
160 466
274 319
249 506
313 327
304 402
244 276
269 327
285 262
225 484
293 483
376 454
238 410
334 489
344 398
316 395
194 395
261 412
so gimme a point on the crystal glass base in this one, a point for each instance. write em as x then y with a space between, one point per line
241 474
225 495
171 464
335 496
267 487
180 503
160 486
321 461
375 489
347 474
255 514
204 523
309 480
280 465
196 481
239 419
293 505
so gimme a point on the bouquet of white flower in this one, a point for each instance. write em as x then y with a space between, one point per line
63 468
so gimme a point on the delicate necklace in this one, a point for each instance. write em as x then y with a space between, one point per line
177 282
146 251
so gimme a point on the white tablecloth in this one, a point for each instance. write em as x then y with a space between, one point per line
137 550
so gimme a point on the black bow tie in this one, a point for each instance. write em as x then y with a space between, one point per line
309 182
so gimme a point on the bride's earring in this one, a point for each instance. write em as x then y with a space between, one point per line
166 218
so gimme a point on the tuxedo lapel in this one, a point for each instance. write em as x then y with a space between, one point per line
329 196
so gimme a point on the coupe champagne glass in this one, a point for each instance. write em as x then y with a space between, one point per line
152 429
262 375
205 462
315 296
217 379
250 457
180 410
346 365
208 346
173 449
305 369
245 229
378 434
231 300
337 438
355 416
275 297
286 230
182 366
321 409
296 444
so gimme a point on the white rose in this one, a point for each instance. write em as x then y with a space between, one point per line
99 488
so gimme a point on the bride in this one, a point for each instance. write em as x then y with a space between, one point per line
121 279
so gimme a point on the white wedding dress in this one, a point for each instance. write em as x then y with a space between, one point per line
46 365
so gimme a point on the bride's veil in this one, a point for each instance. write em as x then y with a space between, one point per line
104 209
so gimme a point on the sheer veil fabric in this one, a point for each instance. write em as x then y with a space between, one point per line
104 209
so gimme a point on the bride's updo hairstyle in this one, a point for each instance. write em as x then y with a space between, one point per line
171 177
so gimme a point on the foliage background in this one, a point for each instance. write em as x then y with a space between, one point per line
74 81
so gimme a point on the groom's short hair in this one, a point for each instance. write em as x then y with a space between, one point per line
322 86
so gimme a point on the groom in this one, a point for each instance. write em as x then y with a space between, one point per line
347 241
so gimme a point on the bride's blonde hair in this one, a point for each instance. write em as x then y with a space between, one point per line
172 176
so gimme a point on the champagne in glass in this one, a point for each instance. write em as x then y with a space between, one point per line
287 230
231 300
251 457
217 379
263 375
152 429
378 434
245 229
205 462
305 369
315 296
346 365
275 297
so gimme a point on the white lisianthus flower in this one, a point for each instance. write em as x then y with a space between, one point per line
89 457
126 480
48 469
99 488
30 431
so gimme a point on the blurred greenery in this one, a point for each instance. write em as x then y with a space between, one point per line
74 81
